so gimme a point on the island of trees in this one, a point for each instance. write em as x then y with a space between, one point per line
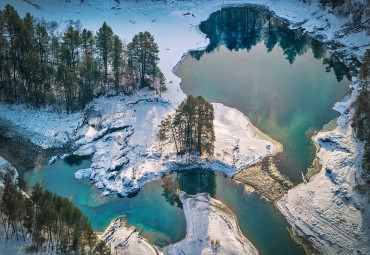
39 65
191 127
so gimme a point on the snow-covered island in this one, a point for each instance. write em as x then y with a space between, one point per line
211 228
120 132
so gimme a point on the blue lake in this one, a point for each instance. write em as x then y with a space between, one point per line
284 81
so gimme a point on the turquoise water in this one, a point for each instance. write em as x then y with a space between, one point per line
162 223
285 82
159 212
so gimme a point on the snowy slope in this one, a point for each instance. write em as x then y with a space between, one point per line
121 135
126 240
328 209
319 209
211 229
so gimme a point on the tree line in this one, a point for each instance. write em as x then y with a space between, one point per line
41 65
52 221
244 28
191 127
361 116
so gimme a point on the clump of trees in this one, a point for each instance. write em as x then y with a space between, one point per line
361 117
41 65
191 127
53 222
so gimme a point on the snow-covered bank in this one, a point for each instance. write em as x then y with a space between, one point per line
43 128
125 152
121 135
5 166
127 240
176 33
211 228
329 210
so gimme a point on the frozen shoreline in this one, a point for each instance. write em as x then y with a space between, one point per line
211 228
323 195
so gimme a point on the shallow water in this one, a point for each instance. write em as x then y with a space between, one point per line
148 210
272 74
285 82
158 210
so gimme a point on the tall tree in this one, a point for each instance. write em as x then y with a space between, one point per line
103 45
143 56
87 41
117 60
89 78
191 127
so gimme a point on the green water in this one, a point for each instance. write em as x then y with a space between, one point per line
285 82
162 223
159 212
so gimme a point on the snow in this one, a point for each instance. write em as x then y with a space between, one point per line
329 210
127 240
211 228
4 164
43 128
121 136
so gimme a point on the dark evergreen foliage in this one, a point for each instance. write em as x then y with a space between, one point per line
191 128
361 117
244 28
41 66
52 220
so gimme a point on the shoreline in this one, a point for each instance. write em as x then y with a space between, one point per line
342 58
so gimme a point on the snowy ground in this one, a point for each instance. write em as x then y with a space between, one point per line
211 229
4 166
326 210
121 134
126 240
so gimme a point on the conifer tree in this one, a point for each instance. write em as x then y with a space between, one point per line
103 45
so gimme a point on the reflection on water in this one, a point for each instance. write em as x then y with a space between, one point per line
259 220
157 210
161 222
284 81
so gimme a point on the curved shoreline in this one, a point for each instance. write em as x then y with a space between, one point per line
352 95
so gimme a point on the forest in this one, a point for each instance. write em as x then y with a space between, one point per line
44 65
191 127
52 221
361 116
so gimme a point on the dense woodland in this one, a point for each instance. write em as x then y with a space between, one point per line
361 117
52 221
42 64
191 127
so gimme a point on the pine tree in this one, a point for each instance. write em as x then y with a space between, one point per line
191 128
89 79
103 45
143 56
117 60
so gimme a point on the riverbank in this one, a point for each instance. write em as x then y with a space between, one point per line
180 31
211 227
127 240
330 209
